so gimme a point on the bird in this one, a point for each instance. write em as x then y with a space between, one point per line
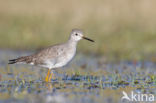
55 56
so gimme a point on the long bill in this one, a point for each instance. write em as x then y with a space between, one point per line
88 39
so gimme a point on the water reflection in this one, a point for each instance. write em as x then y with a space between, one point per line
87 79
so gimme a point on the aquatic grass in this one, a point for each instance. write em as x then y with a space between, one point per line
78 83
24 87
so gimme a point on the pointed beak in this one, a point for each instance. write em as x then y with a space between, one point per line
87 39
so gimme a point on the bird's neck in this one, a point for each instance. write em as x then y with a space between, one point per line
72 43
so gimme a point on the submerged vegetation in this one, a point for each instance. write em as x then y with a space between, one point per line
122 58
74 85
86 79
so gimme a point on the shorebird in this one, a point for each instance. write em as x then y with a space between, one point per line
55 56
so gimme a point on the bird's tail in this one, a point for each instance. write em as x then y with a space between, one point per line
12 61
25 59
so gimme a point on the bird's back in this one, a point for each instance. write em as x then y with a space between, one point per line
54 56
50 57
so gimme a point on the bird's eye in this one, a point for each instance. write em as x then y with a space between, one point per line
76 34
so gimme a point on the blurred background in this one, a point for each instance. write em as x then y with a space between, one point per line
125 29
123 57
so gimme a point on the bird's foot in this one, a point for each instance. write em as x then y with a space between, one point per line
47 77
50 77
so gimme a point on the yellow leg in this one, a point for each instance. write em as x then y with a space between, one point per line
47 77
51 74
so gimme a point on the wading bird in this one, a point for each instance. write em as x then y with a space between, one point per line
55 56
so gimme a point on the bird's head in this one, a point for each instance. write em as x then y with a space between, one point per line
77 35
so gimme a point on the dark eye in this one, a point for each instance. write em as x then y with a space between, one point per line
76 34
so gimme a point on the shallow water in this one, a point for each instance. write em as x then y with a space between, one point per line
88 78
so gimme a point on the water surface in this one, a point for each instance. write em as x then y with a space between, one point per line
87 79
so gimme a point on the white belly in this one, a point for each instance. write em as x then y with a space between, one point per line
63 61
60 61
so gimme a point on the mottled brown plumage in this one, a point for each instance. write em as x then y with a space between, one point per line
26 59
54 56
